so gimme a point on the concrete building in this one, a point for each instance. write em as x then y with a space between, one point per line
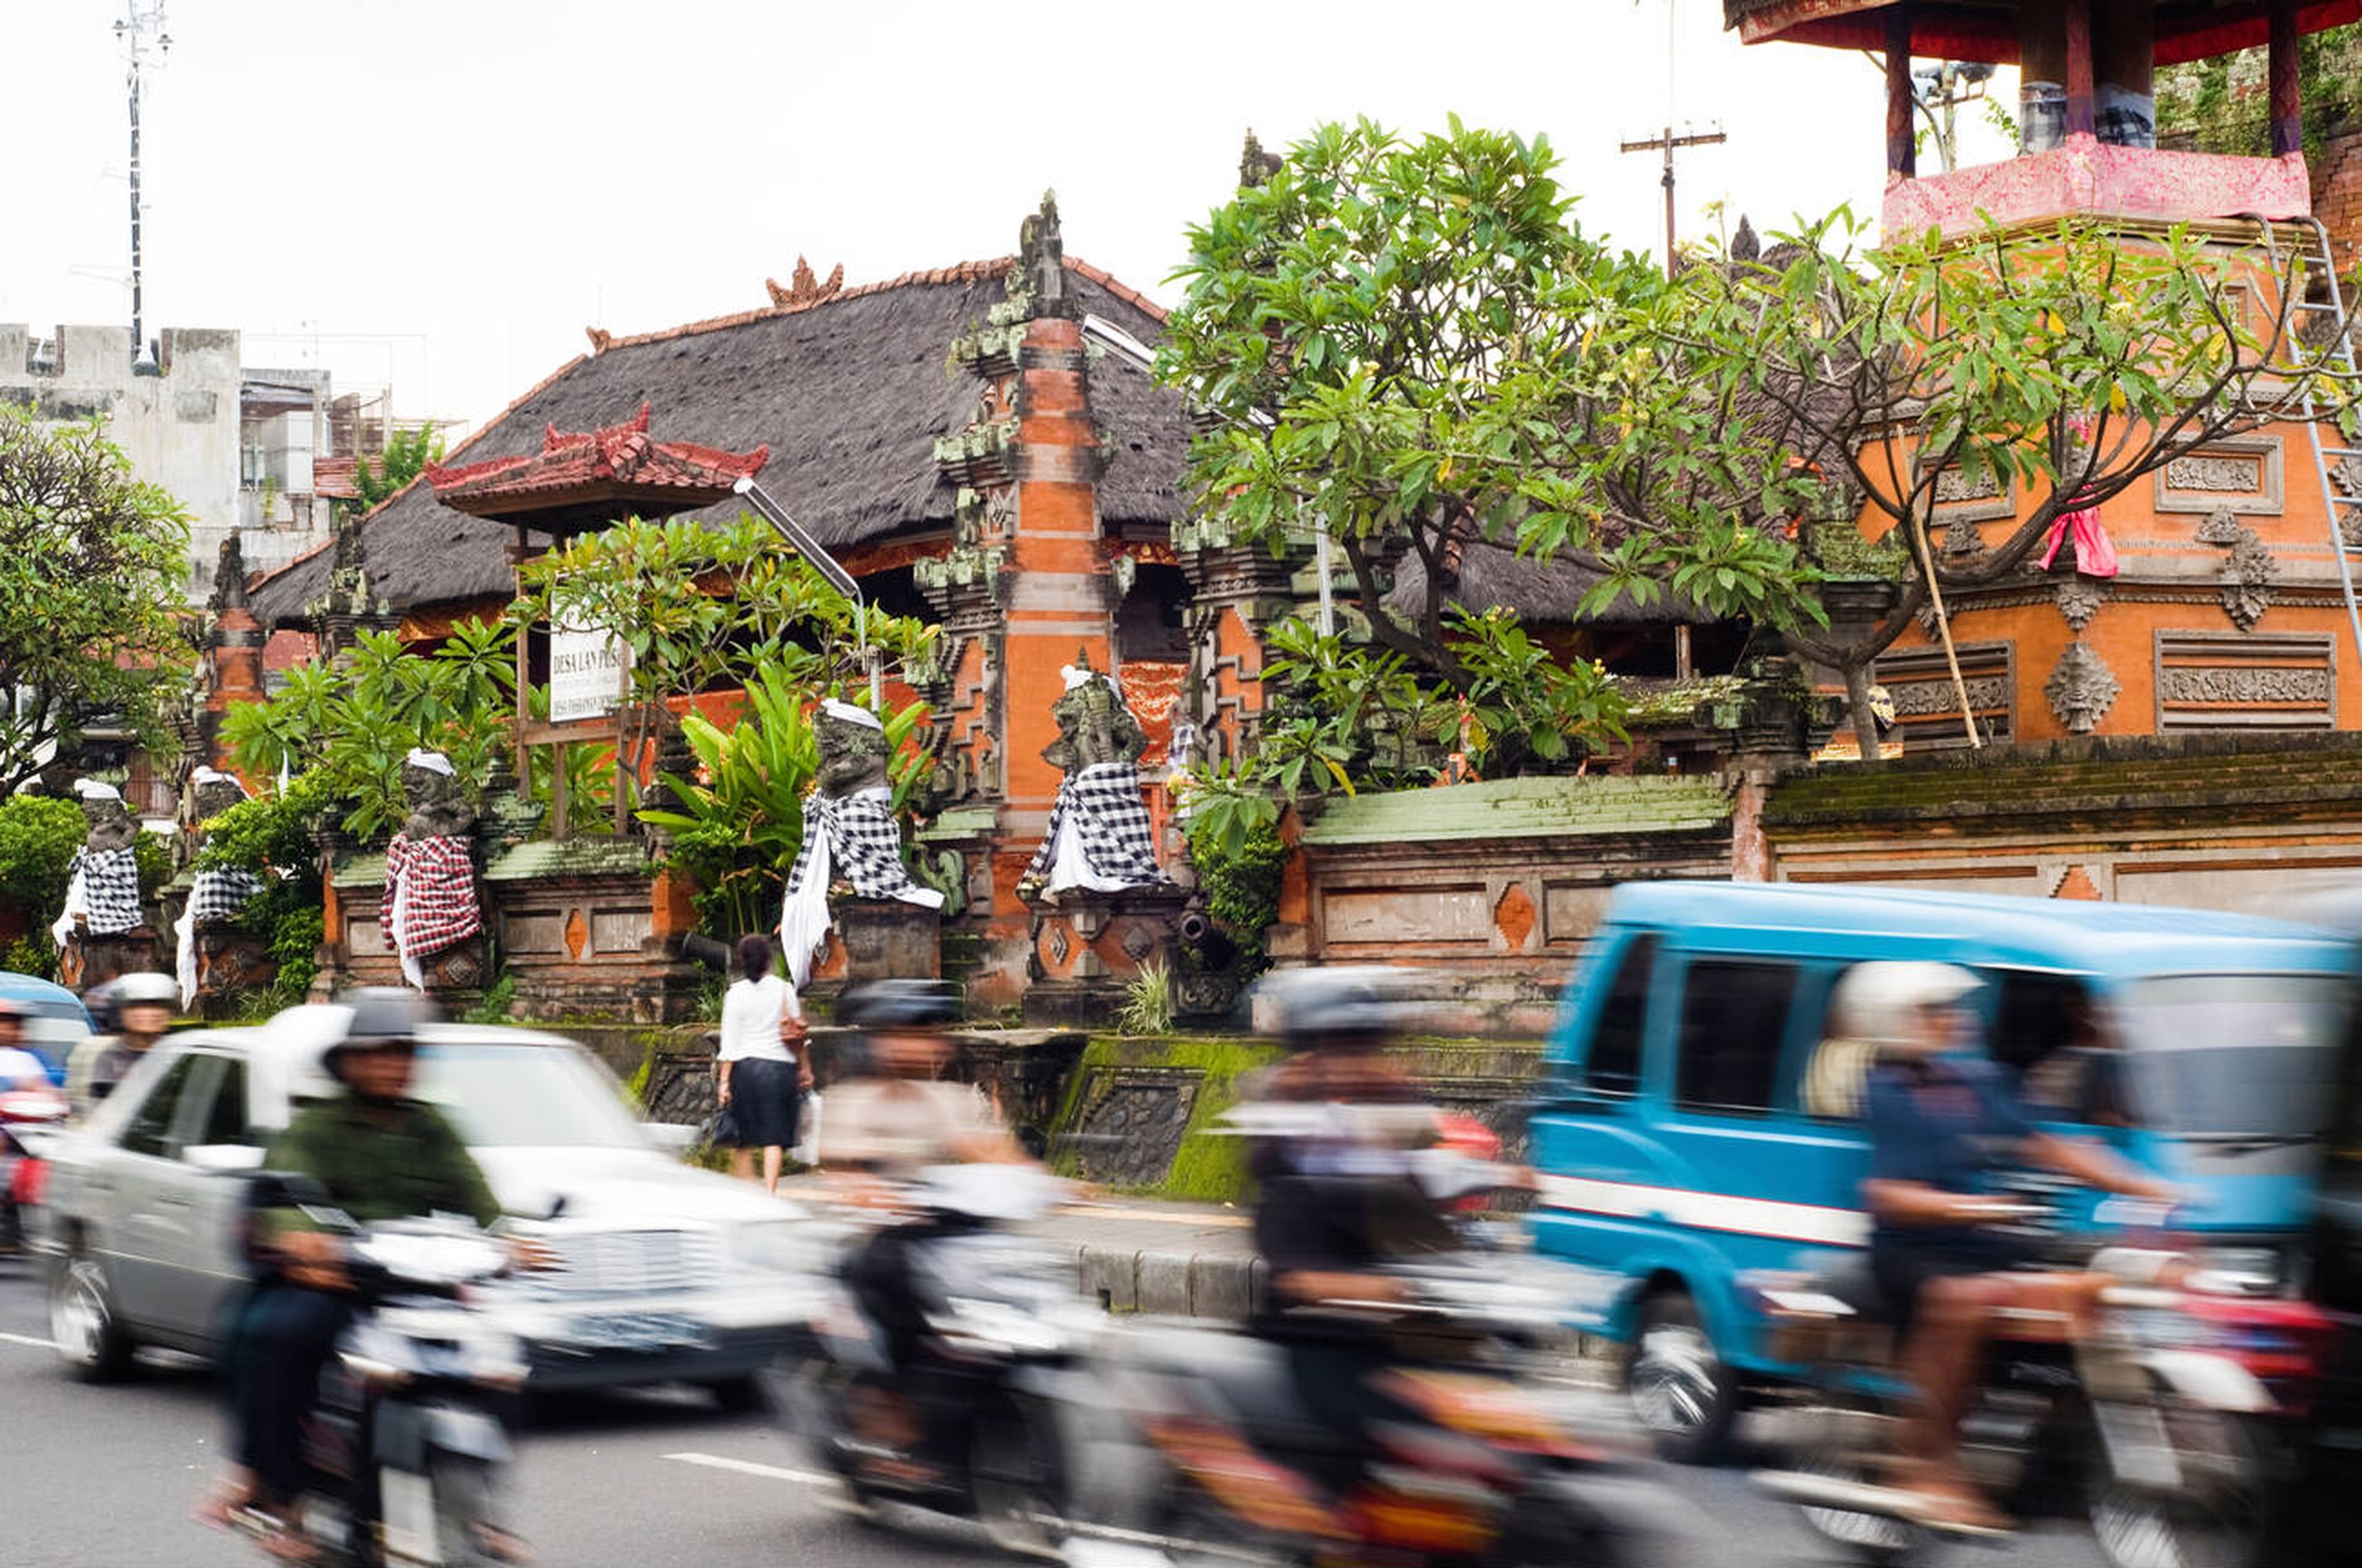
241 447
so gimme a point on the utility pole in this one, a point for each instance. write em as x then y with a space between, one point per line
142 32
1669 142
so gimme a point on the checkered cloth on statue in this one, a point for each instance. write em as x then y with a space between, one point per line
852 837
103 888
1098 835
216 896
429 902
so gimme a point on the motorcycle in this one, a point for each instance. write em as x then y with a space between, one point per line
963 1422
2144 1420
25 1115
403 1447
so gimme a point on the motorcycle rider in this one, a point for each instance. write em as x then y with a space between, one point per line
1933 1107
379 1154
142 1004
1337 1199
19 1068
894 1116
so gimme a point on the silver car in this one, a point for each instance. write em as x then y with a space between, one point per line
663 1272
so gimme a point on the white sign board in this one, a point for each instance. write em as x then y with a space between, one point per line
586 674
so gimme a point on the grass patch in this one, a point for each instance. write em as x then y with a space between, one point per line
1210 1167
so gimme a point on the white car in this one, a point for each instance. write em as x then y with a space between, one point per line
663 1272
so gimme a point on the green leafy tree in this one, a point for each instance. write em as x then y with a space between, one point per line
39 835
2071 364
406 455
1413 344
700 609
93 565
273 836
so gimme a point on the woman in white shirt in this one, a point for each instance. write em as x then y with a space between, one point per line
757 1076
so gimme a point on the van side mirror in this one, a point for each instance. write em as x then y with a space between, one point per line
672 1137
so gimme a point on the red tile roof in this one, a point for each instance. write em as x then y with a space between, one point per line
620 458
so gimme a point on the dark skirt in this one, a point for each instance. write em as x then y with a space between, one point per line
764 1101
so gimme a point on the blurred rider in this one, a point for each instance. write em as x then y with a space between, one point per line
379 1154
1338 1199
1934 1106
19 1068
891 1119
142 1004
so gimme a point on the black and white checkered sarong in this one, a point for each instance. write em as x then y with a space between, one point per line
865 844
1103 803
221 895
110 888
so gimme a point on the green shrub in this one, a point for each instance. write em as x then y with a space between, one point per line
38 839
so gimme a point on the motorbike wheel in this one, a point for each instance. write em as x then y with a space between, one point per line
1683 1394
82 1320
1014 1469
2215 1519
1873 1539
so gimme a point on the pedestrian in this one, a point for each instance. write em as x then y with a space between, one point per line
758 1075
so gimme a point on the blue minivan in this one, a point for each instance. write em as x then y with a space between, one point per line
1685 1138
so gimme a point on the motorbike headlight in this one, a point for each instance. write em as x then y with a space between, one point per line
776 1246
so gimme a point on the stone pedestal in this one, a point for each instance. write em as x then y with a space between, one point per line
88 960
231 963
1023 1072
589 928
875 939
1088 946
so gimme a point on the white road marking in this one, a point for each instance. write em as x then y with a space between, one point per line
28 1339
748 1467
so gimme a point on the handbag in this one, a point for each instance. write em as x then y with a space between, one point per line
807 1149
722 1128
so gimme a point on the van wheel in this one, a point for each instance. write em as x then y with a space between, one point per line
1680 1391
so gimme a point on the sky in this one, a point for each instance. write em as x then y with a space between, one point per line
440 195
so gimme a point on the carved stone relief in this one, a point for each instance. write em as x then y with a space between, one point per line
2080 599
2221 527
1961 538
2243 476
1916 699
2081 688
1953 485
2248 578
2253 684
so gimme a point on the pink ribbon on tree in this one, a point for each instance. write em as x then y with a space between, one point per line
2095 554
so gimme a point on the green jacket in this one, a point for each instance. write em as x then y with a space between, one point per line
410 1165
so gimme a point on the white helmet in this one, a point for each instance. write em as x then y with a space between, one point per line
1878 1001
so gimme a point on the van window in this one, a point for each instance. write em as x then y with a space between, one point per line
2034 1016
1613 1066
151 1127
1734 1015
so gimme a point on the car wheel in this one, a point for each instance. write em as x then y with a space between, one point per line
84 1324
1680 1391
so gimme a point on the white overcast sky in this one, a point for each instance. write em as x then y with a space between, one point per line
441 194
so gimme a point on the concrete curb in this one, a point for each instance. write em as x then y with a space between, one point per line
1228 1286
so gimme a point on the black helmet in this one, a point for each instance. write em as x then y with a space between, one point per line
382 1015
900 1004
1313 1009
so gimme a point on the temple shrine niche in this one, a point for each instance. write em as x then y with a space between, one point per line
2208 596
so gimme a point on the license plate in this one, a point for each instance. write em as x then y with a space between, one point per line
636 1332
406 1502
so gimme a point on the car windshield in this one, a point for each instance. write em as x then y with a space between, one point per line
2234 1055
517 1096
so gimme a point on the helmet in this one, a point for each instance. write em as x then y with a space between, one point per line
146 988
1315 1008
900 1004
99 1002
381 1015
1875 1001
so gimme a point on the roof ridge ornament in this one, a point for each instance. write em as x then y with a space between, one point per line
1042 258
804 288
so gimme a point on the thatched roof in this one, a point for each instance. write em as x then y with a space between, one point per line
849 391
1493 576
1987 30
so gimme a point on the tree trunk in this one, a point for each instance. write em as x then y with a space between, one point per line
1865 724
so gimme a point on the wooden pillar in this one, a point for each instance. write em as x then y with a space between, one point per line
2287 97
1902 159
523 668
2079 117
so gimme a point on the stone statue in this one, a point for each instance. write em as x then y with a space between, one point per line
850 836
219 893
1099 837
429 906
102 888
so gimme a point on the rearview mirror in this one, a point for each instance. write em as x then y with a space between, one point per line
224 1159
672 1137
